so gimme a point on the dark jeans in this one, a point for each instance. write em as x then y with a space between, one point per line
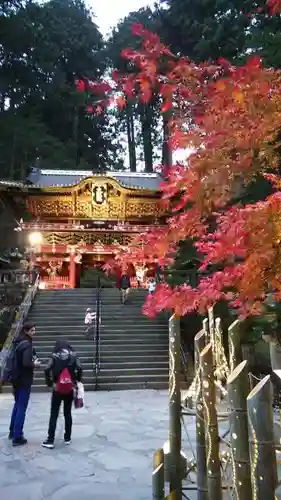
55 408
21 395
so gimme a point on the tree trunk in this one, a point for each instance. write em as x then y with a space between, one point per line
167 159
131 138
147 137
13 156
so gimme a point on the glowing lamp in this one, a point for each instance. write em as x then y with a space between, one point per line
35 238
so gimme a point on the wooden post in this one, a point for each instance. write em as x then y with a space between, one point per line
175 408
211 424
72 269
238 389
158 480
202 488
234 345
261 440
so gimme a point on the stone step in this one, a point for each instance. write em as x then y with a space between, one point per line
107 327
80 347
106 340
106 365
115 373
132 385
82 306
127 379
133 365
110 332
123 349
105 315
107 322
63 330
132 354
134 331
113 343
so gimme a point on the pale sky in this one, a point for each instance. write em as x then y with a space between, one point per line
109 12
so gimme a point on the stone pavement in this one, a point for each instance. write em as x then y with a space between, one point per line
110 458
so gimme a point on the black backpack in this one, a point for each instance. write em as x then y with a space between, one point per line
11 373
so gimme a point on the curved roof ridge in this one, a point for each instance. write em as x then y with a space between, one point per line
65 178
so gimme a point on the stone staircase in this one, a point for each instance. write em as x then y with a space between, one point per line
133 349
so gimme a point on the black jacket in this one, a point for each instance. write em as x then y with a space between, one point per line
61 359
125 282
24 353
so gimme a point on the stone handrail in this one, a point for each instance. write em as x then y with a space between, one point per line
17 325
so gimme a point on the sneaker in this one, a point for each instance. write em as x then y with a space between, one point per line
10 435
19 442
48 444
67 441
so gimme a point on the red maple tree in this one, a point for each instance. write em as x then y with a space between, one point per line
230 117
274 6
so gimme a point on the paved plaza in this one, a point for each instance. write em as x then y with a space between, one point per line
110 457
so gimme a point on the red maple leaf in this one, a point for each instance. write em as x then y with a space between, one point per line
80 85
138 30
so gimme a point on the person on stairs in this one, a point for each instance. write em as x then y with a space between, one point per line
90 321
62 373
151 285
125 286
22 379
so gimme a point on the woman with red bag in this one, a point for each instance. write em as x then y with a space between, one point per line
63 373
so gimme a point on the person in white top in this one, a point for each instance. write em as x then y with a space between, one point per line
151 285
90 321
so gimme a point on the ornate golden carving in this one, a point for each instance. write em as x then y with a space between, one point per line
100 212
88 238
113 191
141 209
51 206
83 208
114 209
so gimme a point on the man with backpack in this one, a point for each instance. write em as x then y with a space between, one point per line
62 374
19 372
